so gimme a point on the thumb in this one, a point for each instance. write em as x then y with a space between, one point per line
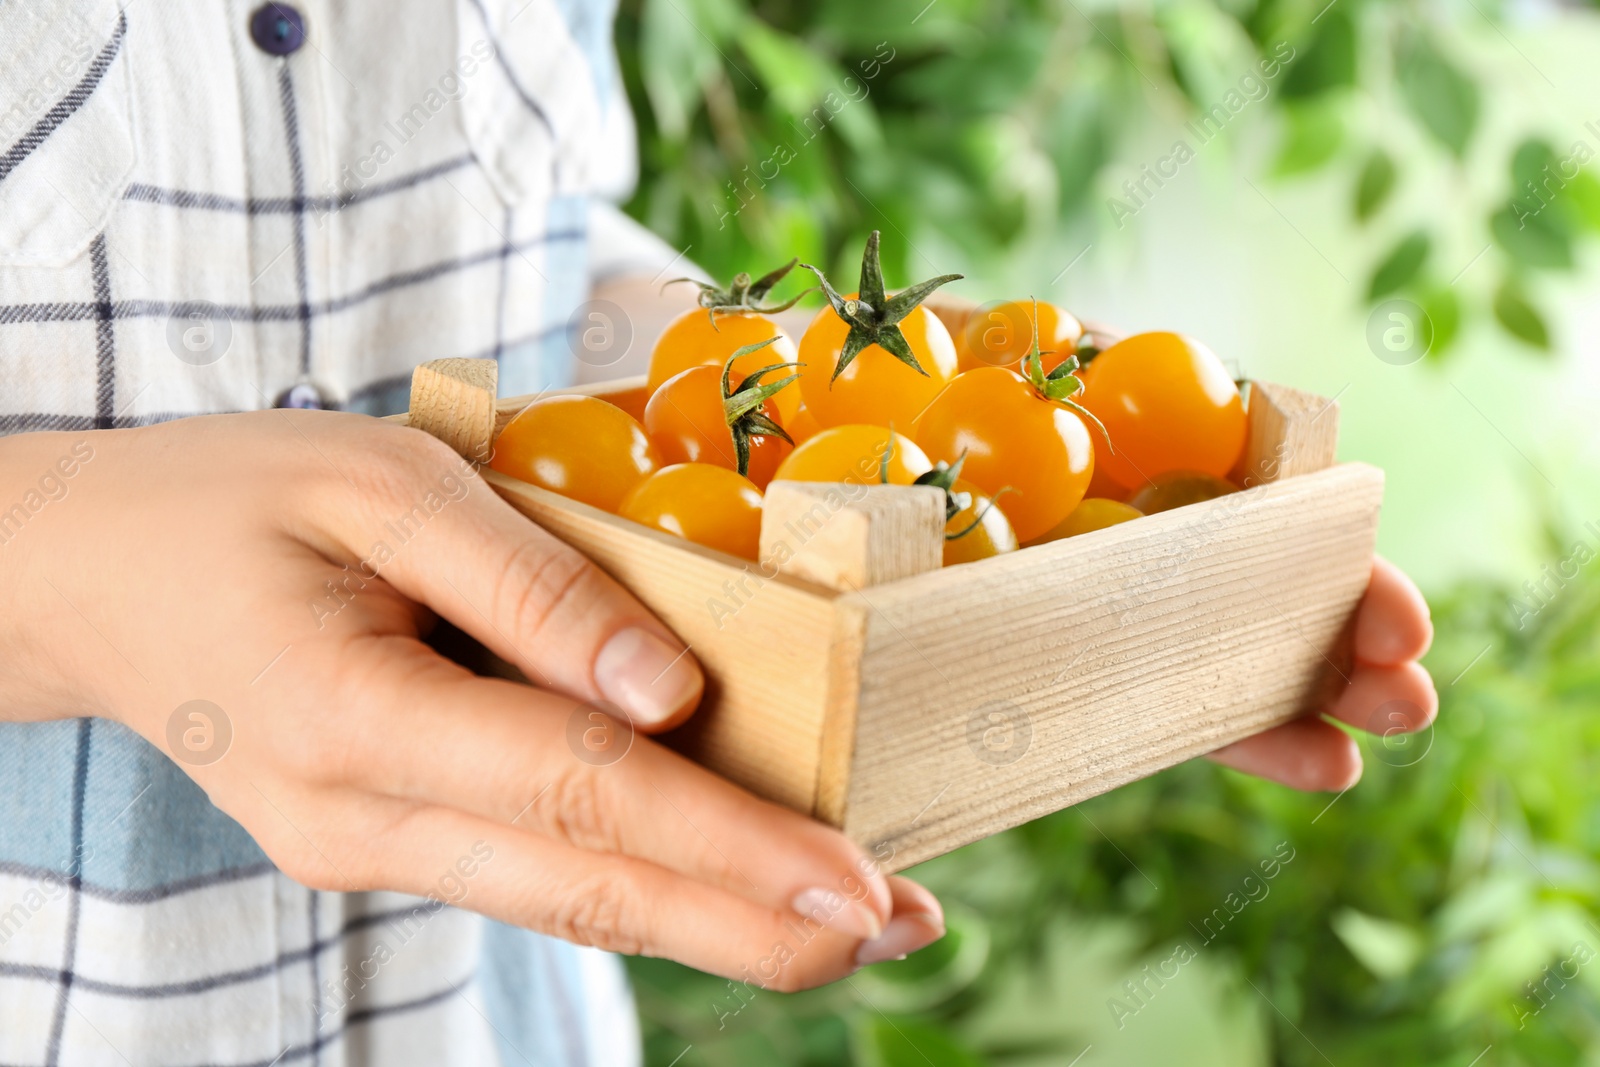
528 597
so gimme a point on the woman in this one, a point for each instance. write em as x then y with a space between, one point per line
238 788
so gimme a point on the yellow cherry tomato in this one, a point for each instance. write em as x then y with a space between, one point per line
1000 335
1174 489
709 505
802 426
876 387
687 423
991 535
698 339
1103 485
1011 436
855 454
1168 404
578 446
1094 513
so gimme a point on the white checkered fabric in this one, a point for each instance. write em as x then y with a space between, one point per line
188 225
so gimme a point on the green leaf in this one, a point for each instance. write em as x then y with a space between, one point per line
677 61
1078 138
1387 949
1400 266
1534 236
887 1042
1375 184
1312 135
1583 194
1519 317
1443 308
1444 99
1328 61
1529 164
794 76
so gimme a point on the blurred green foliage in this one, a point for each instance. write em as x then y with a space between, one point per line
1443 913
1445 905
773 128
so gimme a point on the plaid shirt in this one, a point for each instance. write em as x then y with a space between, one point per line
190 223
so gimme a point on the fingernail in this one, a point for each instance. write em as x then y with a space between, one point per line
646 677
904 935
838 912
1355 776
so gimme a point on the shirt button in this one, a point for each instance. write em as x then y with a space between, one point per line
277 29
306 397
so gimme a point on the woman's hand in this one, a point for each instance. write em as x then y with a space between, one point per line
285 566
1386 693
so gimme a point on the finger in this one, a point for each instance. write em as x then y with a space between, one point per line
453 544
617 903
1387 700
918 922
522 756
1304 754
1393 625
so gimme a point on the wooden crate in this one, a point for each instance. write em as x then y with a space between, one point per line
919 708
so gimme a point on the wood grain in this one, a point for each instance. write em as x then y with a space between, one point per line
454 400
846 536
764 640
919 713
1290 432
1108 656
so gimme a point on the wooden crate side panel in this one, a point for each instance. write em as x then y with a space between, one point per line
838 749
765 643
999 691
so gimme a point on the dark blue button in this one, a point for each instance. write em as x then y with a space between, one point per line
277 29
306 397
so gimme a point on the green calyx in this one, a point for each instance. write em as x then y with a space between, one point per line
742 294
873 316
943 476
742 405
1061 384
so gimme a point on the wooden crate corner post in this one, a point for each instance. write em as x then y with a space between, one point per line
1290 432
846 536
454 400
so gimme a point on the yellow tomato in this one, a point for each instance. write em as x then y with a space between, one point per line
991 535
697 339
802 426
875 387
1002 334
709 505
1011 436
1094 513
578 446
872 356
1168 404
1175 489
855 454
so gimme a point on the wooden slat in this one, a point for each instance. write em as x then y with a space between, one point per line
1123 651
846 536
764 640
1291 432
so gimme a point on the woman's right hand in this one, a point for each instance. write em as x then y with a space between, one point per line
285 567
